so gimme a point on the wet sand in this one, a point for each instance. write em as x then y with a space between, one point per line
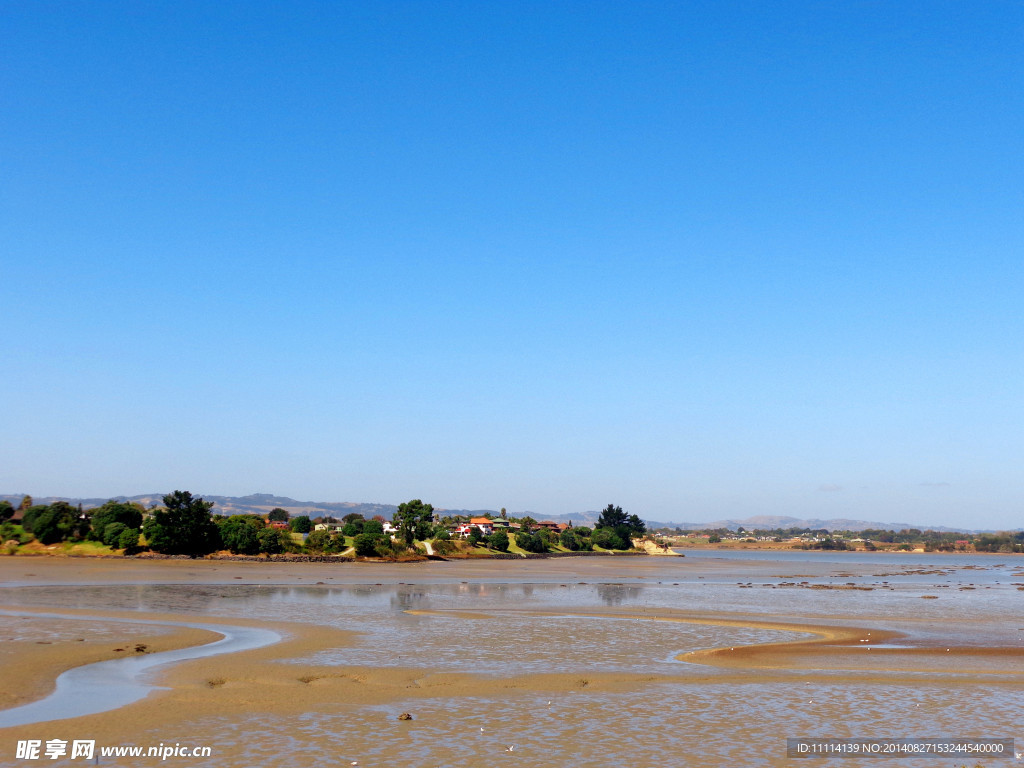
273 691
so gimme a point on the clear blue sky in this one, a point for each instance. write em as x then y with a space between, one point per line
700 259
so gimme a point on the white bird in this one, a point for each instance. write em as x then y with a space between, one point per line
510 747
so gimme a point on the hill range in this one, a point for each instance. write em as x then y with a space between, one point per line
262 503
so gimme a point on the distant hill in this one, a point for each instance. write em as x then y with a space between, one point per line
262 503
769 522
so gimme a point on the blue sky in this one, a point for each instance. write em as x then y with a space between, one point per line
701 260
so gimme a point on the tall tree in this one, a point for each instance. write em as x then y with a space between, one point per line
612 517
278 515
183 527
624 527
413 520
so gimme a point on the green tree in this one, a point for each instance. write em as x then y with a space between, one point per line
325 542
532 542
570 541
112 533
354 527
29 515
57 522
317 541
375 527
278 515
113 512
413 520
240 533
128 540
612 517
624 526
6 511
26 502
301 524
499 541
270 541
607 538
184 526
366 544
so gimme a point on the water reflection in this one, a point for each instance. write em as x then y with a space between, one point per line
407 598
616 594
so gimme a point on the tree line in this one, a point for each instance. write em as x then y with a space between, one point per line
186 525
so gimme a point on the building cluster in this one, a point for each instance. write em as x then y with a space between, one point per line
486 526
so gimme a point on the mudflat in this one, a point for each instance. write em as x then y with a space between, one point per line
589 661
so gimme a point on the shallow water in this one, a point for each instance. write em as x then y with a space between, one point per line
539 618
109 685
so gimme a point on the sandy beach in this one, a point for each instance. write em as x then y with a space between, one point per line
253 702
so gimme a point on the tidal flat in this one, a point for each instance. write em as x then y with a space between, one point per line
712 659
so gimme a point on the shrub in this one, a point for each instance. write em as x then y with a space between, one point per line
570 541
301 524
498 541
128 540
240 534
336 543
57 522
13 532
388 547
366 544
113 512
532 542
270 541
443 546
112 533
606 538
317 540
